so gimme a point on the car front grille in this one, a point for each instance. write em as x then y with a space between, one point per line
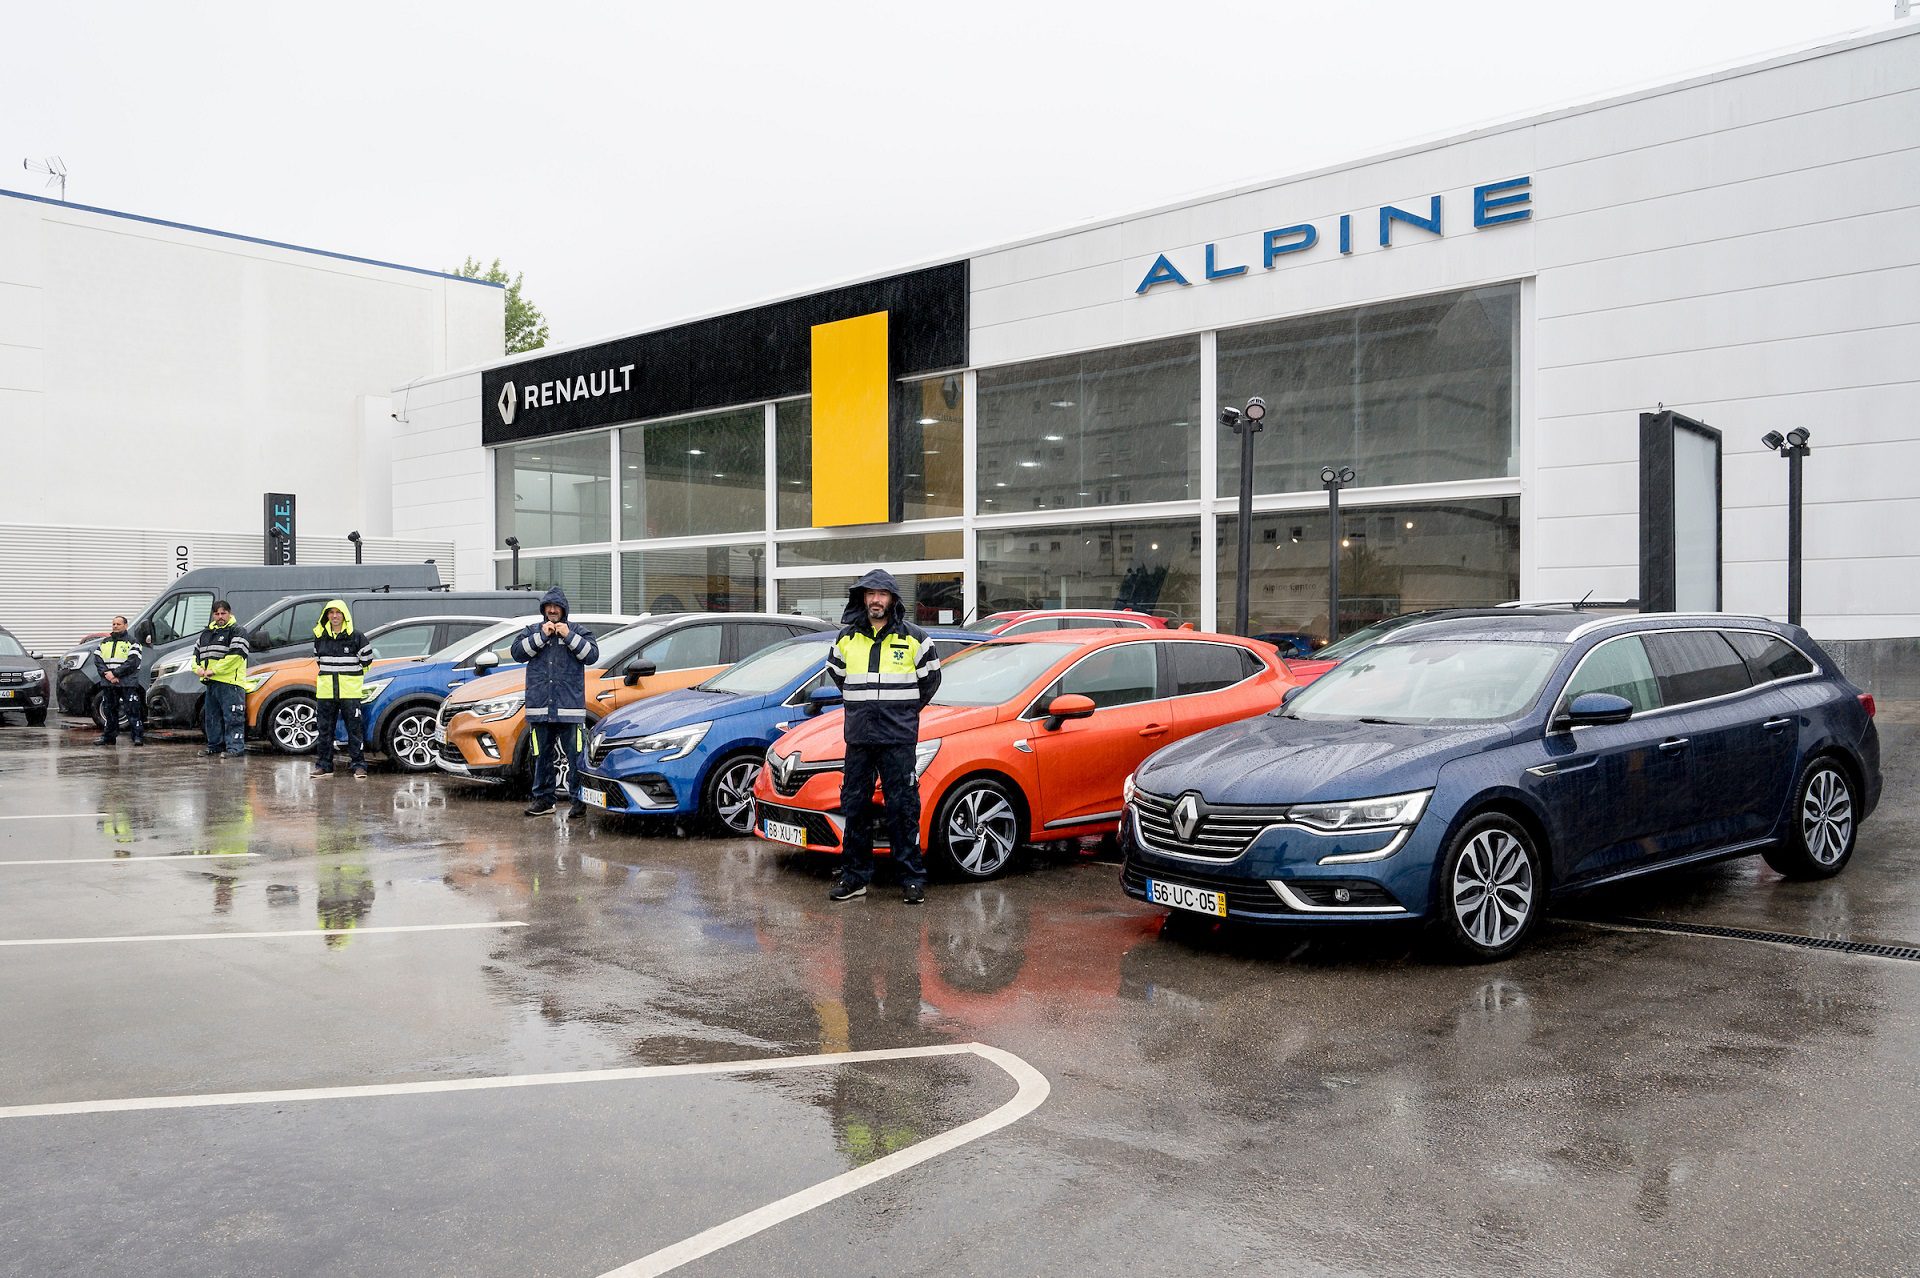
1222 833
1244 896
820 831
12 679
615 796
789 782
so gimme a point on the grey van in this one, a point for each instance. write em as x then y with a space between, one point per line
285 630
181 612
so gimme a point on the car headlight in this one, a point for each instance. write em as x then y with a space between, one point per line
923 757
494 708
1359 814
35 676
73 661
173 665
1126 790
677 742
368 691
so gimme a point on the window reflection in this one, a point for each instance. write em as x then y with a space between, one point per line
553 492
694 475
587 579
693 579
1149 567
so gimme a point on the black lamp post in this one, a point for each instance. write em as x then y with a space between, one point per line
354 537
1333 481
1793 447
1246 423
513 544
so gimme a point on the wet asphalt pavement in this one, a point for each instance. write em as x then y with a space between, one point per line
1613 1100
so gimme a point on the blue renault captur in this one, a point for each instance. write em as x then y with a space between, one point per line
1465 771
693 753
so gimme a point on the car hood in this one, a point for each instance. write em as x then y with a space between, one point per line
822 738
677 709
19 663
1270 760
490 686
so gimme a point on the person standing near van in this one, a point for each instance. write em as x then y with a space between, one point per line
220 659
343 654
557 654
119 659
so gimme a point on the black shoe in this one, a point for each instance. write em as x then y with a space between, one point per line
214 754
540 807
321 772
914 893
845 891
139 741
576 809
103 741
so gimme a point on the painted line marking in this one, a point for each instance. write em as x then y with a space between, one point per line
54 816
1031 1089
183 858
255 936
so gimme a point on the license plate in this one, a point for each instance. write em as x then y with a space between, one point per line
781 832
6 694
1182 897
592 798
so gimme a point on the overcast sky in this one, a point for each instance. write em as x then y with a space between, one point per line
647 162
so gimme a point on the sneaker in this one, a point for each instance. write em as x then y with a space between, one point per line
321 772
914 893
540 807
576 809
139 741
103 741
845 891
214 754
359 774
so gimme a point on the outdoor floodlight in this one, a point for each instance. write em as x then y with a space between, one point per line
1798 437
1773 439
1256 409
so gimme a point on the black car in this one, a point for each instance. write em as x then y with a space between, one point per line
23 681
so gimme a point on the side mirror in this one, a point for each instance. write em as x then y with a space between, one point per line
1596 707
144 632
1292 692
638 670
1070 706
823 699
486 660
260 641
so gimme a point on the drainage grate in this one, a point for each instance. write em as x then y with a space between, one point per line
1910 953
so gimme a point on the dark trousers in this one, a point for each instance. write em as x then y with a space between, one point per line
555 745
223 717
893 764
114 697
334 710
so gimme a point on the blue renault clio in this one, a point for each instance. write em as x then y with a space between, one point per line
1465 771
694 753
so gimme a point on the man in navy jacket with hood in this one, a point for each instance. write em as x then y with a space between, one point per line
886 669
557 654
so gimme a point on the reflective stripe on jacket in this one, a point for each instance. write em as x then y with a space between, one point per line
118 657
556 687
885 679
343 656
220 654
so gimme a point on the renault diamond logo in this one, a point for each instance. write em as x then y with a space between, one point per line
599 739
783 768
1186 816
507 404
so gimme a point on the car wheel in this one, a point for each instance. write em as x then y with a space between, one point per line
408 739
1821 841
94 712
1491 891
293 725
728 802
977 829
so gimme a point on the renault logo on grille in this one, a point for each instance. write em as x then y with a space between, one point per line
599 739
1186 816
506 404
783 766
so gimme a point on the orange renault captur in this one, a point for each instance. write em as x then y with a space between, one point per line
1028 740
482 730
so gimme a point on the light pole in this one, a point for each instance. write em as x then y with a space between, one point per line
354 537
513 544
1333 481
1246 423
1793 447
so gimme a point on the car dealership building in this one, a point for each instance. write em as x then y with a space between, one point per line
1548 350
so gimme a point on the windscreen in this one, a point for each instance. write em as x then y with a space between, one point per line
1365 637
1430 681
769 669
995 673
495 636
10 647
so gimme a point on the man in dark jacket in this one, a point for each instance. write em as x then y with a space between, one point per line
119 660
343 655
887 669
557 654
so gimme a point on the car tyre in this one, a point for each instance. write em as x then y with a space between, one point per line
1824 825
293 724
727 804
408 738
94 712
1491 891
977 829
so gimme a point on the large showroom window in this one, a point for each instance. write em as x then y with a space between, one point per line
793 462
1149 566
587 579
1405 392
888 548
932 598
694 579
1393 559
1101 429
927 436
694 475
553 492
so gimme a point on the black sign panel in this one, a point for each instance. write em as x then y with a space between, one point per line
759 354
277 511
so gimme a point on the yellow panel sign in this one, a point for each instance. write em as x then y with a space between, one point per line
850 473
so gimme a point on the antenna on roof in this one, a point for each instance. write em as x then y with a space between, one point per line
56 170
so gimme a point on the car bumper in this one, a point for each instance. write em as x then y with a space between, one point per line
447 758
641 792
75 691
176 699
25 696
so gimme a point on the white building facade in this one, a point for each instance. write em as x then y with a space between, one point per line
158 380
1483 328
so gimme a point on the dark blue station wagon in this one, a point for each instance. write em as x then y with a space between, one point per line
1465 771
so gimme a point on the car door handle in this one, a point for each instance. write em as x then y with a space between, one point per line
1774 725
1154 730
1673 745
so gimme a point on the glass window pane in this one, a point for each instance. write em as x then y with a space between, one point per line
687 648
1099 429
1406 392
887 548
1116 676
405 641
695 475
750 637
932 449
1769 657
1204 667
184 615
1393 559
553 492
694 579
587 579
793 462
1149 567
1696 664
1620 667
932 598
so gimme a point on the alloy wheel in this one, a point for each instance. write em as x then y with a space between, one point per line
1826 816
296 727
982 830
410 742
1493 888
733 794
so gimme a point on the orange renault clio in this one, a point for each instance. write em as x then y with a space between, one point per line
1028 739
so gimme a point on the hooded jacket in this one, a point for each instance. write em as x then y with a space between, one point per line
886 677
220 653
119 656
343 654
556 668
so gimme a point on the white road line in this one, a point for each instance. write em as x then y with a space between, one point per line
115 860
256 936
53 816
